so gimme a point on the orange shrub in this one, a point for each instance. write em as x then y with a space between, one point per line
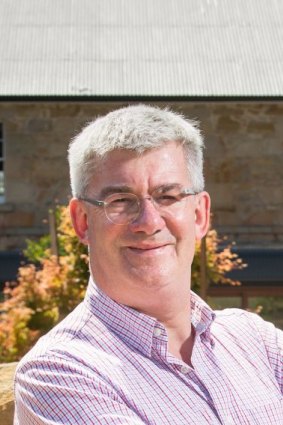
218 262
43 294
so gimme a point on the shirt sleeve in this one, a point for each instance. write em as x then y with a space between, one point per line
54 391
273 342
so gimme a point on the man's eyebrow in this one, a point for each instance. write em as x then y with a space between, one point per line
108 190
168 186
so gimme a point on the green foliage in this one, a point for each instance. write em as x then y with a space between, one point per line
37 250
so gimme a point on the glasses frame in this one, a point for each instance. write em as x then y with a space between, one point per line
98 203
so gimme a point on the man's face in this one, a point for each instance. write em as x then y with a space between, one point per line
153 253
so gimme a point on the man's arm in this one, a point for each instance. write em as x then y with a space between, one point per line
54 391
273 341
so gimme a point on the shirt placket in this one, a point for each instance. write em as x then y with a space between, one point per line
184 372
208 370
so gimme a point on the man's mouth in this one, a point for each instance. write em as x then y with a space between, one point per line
147 249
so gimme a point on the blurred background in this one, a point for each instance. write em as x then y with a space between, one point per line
65 62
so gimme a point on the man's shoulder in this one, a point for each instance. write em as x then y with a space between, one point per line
242 323
233 313
238 316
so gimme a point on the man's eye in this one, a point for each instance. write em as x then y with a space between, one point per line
166 199
122 200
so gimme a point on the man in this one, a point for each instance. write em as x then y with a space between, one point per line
142 348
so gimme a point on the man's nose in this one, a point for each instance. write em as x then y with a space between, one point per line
149 219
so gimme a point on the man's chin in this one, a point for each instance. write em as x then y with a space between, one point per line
151 277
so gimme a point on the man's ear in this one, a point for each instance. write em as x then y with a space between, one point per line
202 214
78 214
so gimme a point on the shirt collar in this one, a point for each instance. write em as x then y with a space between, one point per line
202 315
132 326
135 328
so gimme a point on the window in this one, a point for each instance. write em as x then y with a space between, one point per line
2 188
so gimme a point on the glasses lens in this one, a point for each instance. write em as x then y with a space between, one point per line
121 208
167 199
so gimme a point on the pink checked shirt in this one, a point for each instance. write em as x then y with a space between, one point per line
109 364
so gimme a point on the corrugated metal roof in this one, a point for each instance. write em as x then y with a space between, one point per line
141 48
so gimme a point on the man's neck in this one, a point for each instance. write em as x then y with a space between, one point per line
170 307
180 335
181 348
173 310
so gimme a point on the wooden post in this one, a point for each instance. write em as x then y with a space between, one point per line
245 299
53 232
203 278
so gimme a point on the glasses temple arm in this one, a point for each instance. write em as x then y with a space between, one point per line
93 202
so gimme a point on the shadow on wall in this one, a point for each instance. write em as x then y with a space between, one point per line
10 261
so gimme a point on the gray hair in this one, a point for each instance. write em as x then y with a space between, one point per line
137 128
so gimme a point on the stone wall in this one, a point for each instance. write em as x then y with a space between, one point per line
7 372
243 164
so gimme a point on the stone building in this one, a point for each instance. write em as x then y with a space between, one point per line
62 64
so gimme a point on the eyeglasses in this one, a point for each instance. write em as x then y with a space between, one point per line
124 208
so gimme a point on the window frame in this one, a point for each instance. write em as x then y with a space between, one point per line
2 160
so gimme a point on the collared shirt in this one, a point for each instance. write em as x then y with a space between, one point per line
109 364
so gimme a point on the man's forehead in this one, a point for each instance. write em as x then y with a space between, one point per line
125 170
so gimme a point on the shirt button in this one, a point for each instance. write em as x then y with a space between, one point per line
157 332
185 369
200 327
